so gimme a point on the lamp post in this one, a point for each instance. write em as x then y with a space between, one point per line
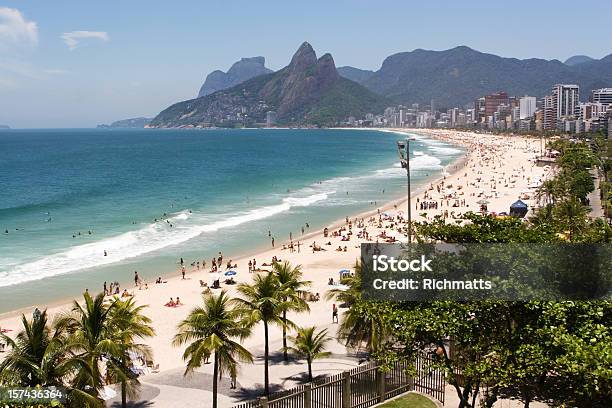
403 149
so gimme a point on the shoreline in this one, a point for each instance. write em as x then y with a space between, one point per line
457 164
490 164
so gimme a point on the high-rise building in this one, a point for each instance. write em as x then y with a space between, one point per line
493 101
527 106
592 110
549 118
270 118
479 110
603 96
566 101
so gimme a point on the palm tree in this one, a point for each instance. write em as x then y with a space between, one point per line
358 327
209 330
291 286
35 357
129 324
38 357
310 345
263 301
572 215
353 293
91 340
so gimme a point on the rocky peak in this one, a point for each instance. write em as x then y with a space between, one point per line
303 58
326 68
257 60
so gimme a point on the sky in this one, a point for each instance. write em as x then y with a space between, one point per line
75 63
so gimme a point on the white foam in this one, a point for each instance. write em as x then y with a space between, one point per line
150 238
444 150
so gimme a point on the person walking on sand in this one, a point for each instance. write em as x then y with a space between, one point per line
334 314
272 242
250 266
136 278
183 272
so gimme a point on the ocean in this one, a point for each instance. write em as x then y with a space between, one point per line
79 206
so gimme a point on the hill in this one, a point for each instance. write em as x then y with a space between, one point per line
578 59
457 76
355 74
308 91
239 72
127 123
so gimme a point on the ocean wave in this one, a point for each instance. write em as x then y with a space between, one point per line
444 150
152 237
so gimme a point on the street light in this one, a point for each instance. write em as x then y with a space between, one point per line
403 149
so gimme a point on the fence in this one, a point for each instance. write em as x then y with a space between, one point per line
360 387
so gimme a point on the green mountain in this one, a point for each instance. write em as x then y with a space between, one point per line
308 91
127 123
578 59
355 74
457 76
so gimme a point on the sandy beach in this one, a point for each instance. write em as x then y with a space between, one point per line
496 171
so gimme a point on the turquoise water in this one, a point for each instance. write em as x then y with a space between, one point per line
220 190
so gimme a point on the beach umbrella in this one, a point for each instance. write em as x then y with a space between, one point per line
231 273
519 209
483 202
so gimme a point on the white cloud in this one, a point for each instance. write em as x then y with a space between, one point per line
15 71
14 28
73 38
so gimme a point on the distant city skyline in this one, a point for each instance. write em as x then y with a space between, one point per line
75 64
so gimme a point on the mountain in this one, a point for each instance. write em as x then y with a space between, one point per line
241 71
457 76
308 91
355 74
127 123
578 59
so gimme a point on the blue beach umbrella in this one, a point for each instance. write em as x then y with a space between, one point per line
344 272
231 273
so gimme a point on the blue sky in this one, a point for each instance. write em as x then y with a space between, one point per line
79 63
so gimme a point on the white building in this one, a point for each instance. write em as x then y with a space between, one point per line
566 100
603 96
527 105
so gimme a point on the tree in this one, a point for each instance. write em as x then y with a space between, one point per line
263 301
128 325
291 286
360 325
39 358
90 341
35 356
352 294
310 345
211 329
